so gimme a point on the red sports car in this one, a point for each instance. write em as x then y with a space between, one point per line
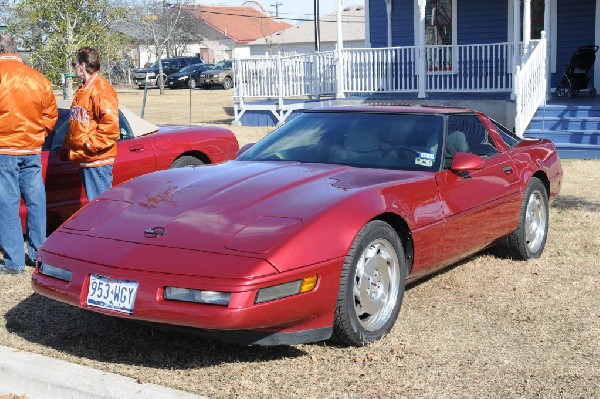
142 148
311 232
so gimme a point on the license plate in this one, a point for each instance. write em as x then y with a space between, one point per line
112 293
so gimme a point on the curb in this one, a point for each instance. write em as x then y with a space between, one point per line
41 377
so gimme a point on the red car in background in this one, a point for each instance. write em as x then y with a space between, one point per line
311 232
142 148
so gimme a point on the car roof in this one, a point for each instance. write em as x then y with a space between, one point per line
394 108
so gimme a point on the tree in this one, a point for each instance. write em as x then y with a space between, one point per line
159 22
52 30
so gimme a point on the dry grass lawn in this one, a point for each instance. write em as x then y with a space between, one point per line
486 328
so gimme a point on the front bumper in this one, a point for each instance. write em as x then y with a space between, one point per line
211 80
305 317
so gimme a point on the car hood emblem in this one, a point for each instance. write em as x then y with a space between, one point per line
154 232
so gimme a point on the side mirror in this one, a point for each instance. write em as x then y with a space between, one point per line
243 149
464 161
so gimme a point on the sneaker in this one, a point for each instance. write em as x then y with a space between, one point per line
7 270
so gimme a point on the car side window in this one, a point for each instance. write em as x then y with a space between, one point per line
509 137
475 133
58 138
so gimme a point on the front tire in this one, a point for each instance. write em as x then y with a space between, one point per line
192 83
227 83
529 240
372 286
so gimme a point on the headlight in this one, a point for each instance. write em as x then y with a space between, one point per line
183 77
197 296
56 272
287 289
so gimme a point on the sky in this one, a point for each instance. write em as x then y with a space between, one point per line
291 9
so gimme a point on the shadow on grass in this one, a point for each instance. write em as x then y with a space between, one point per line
98 337
570 202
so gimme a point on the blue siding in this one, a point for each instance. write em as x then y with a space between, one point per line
575 28
378 23
403 23
482 22
478 22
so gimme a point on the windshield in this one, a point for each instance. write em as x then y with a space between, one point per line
190 68
165 64
222 65
361 139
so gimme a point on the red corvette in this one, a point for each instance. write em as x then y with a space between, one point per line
311 232
142 148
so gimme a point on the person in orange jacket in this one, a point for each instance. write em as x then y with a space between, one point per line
28 113
94 126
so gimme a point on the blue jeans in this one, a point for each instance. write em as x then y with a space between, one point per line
96 180
21 176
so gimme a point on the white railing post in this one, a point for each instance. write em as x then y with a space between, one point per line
279 80
422 55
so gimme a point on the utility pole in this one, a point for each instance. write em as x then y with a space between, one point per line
276 5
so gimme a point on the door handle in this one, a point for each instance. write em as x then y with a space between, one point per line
507 170
136 148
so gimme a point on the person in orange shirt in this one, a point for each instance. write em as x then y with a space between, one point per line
27 114
94 126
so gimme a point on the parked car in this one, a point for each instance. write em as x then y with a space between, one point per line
149 76
219 75
312 231
142 148
187 77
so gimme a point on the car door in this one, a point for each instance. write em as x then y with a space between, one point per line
135 155
479 206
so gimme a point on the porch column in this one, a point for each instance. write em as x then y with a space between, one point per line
339 62
388 4
547 28
526 27
516 42
422 64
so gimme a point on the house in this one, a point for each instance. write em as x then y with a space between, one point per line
300 39
226 30
504 57
215 33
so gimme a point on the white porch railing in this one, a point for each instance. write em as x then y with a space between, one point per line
463 68
530 86
290 76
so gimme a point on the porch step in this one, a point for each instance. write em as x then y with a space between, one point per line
566 123
574 129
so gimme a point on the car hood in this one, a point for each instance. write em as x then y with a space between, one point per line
228 208
144 70
178 74
216 71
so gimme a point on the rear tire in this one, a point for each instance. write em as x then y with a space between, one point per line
529 240
372 286
592 92
186 161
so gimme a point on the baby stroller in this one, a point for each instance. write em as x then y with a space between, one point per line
575 78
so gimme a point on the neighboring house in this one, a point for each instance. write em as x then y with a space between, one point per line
219 32
300 39
504 57
227 30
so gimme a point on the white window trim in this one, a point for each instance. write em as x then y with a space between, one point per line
454 69
553 33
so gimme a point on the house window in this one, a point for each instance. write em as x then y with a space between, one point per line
440 33
438 22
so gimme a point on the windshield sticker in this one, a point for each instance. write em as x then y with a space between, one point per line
424 162
427 155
